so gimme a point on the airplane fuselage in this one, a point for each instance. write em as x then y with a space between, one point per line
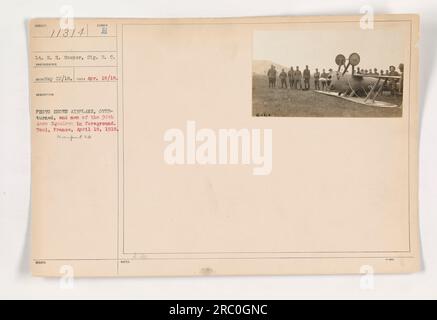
346 83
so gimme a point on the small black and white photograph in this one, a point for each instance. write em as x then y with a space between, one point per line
329 72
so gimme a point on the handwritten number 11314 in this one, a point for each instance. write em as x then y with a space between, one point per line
64 33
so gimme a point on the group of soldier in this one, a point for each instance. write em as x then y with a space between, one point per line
391 71
395 86
296 77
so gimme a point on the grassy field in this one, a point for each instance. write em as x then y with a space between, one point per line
297 103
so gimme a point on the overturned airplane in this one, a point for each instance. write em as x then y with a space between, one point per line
356 87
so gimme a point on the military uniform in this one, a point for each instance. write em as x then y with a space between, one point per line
291 78
297 79
306 78
401 82
271 74
283 77
392 82
324 75
316 80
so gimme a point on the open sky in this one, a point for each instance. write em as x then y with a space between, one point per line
317 45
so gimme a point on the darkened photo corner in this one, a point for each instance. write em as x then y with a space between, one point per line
328 73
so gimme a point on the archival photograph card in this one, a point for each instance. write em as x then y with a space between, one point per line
231 146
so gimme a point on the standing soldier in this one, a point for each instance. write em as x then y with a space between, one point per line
291 77
381 72
324 76
283 77
271 74
297 78
392 82
358 70
316 80
401 83
375 72
306 78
